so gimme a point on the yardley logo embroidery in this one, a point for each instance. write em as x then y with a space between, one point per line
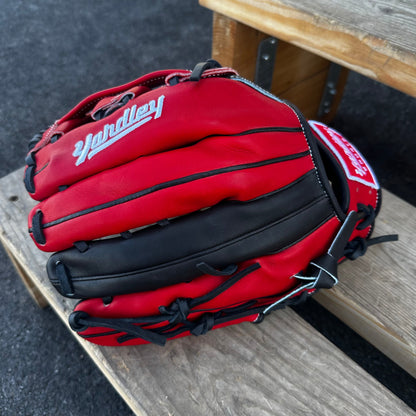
358 164
353 163
131 119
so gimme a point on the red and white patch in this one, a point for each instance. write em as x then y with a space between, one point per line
355 166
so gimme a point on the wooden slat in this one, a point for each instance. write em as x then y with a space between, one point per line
282 366
235 45
299 76
376 39
376 294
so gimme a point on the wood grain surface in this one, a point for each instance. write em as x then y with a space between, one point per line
281 367
376 38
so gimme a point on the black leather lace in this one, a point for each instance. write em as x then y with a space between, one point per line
358 246
175 314
173 319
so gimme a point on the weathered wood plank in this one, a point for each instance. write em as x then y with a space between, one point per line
389 20
282 366
374 38
376 294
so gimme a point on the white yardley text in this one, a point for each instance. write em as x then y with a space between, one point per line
131 119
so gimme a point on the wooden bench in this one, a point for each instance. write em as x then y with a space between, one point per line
318 41
282 366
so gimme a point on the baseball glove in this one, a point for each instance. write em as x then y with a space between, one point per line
189 200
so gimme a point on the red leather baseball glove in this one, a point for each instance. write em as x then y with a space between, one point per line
190 200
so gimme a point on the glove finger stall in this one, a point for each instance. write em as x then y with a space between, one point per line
172 184
260 287
147 124
230 232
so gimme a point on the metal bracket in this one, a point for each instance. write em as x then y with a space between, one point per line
330 89
266 54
